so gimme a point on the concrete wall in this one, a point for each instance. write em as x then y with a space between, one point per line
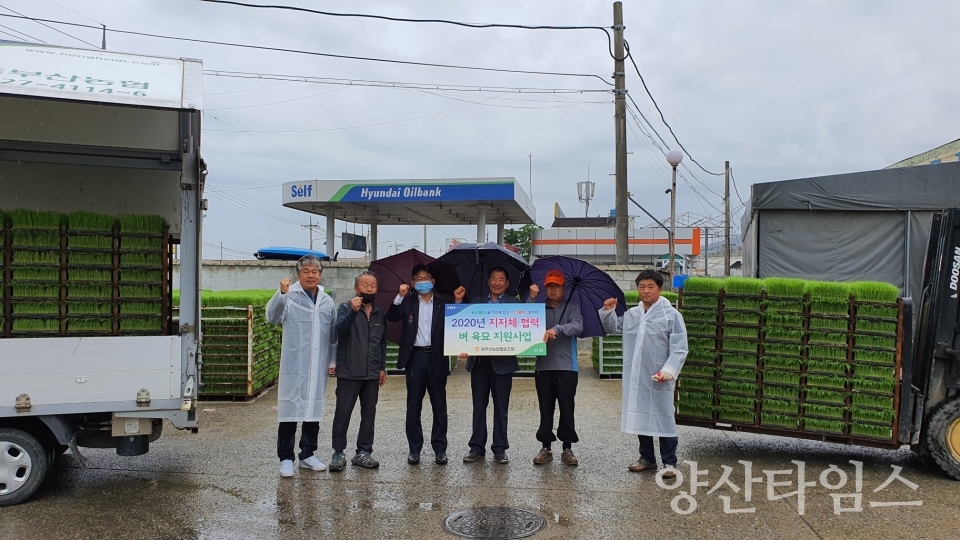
239 275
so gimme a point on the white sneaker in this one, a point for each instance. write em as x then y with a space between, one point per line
312 463
286 468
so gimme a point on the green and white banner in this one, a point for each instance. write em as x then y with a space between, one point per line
494 330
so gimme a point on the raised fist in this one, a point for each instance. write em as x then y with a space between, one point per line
534 290
284 285
459 294
355 303
404 289
609 303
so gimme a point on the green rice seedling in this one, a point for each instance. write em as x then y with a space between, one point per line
36 325
827 381
709 302
738 388
694 370
87 274
873 372
876 326
729 414
827 353
828 291
702 356
141 276
794 307
741 318
140 325
80 258
100 292
784 287
779 420
738 402
695 397
779 406
702 343
874 341
89 308
875 291
89 325
824 411
140 243
35 274
743 304
36 257
828 325
827 367
700 385
821 307
823 426
872 415
877 357
141 308
22 218
739 346
879 312
781 349
671 296
784 321
88 241
691 315
825 396
783 334
694 410
90 222
39 239
878 386
781 392
871 431
29 290
781 377
738 374
781 363
139 291
738 360
823 338
743 286
872 401
142 224
703 285
36 308
702 329
740 332
140 259
632 297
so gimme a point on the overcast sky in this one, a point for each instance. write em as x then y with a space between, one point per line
780 89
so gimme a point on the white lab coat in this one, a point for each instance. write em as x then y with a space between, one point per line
653 341
309 344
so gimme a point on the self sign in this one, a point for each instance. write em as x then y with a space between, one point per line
305 190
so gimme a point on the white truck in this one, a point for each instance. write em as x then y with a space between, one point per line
110 133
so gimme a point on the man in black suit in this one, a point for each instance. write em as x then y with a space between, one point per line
421 357
491 375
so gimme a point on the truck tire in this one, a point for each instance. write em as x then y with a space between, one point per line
23 465
942 438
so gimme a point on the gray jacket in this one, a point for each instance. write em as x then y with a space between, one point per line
362 346
567 320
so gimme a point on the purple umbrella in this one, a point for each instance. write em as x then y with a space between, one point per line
585 285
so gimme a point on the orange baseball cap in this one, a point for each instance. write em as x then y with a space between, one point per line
553 277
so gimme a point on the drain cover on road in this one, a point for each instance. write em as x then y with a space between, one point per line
493 522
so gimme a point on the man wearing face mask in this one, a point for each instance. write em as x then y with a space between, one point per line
360 369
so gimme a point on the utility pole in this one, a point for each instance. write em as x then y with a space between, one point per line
706 253
311 232
620 121
424 238
104 44
531 176
726 219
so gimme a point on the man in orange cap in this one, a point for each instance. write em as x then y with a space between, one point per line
557 372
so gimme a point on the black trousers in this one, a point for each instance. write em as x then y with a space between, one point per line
555 387
485 382
348 392
422 380
287 436
668 449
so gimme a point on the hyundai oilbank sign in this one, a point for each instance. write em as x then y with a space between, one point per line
399 193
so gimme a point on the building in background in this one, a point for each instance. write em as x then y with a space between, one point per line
941 154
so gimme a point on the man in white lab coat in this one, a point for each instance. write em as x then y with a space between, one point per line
654 349
308 349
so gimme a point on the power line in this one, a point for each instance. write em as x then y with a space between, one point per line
245 89
276 102
662 118
315 53
22 16
735 190
21 33
72 11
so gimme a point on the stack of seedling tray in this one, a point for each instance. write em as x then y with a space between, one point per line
788 356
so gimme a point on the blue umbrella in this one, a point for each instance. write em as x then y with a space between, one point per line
585 285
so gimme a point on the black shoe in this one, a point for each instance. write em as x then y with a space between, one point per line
413 459
471 457
441 458
501 459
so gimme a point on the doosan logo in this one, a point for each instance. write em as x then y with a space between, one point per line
955 272
306 190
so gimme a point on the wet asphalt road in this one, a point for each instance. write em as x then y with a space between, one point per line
223 483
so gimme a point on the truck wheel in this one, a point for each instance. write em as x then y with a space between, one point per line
23 466
943 436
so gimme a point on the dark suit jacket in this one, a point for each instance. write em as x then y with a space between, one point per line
502 365
409 312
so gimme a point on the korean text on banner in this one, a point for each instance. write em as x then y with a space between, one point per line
494 330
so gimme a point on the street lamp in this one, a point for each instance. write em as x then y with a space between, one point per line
674 157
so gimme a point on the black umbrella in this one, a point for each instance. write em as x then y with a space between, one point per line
474 262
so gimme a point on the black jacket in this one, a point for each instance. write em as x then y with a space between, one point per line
362 346
408 311
502 365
